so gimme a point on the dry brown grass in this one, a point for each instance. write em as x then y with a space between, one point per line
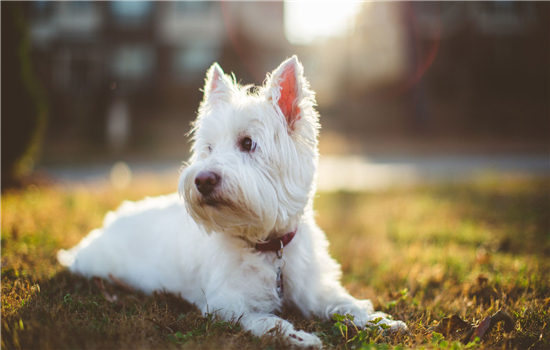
416 253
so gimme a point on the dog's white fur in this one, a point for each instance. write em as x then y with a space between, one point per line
205 252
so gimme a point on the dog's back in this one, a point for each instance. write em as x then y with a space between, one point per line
141 243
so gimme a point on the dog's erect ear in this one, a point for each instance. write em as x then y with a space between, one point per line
285 88
218 85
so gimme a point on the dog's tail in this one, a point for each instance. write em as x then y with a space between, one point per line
67 257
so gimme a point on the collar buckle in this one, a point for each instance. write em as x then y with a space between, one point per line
280 251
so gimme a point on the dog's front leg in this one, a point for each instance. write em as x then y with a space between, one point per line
320 292
261 324
247 295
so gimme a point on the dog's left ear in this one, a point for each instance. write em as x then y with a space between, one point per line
217 86
285 88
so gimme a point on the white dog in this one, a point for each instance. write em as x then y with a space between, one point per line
246 219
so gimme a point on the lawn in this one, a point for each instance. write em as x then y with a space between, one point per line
419 254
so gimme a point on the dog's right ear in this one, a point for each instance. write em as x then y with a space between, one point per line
218 85
287 88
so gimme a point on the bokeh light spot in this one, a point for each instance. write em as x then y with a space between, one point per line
121 175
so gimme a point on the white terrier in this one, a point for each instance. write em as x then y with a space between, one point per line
246 218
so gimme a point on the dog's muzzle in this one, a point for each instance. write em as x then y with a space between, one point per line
206 182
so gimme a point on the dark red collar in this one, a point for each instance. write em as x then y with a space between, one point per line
275 244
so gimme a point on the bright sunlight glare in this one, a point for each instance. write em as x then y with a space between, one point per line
304 21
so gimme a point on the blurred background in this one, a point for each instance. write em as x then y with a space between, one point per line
434 175
408 92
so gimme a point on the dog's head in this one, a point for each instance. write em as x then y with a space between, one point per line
254 154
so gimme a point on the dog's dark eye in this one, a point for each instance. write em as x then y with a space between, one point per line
247 144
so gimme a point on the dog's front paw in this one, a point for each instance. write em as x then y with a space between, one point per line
398 326
394 326
304 340
383 321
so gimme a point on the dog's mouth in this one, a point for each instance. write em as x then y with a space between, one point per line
215 202
212 202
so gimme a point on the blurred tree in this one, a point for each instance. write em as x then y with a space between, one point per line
24 104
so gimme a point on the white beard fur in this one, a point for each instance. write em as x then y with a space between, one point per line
206 253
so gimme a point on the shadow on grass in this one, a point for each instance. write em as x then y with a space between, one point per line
520 216
68 311
44 306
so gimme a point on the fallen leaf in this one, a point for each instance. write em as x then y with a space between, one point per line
482 329
501 315
481 280
487 324
449 325
481 290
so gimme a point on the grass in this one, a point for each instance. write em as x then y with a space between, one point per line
419 254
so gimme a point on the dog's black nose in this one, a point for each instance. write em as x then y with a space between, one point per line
206 181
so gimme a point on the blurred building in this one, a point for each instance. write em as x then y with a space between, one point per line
148 58
132 70
441 69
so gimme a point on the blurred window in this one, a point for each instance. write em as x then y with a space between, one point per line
42 10
503 17
192 7
79 6
502 6
76 71
133 61
190 63
131 13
